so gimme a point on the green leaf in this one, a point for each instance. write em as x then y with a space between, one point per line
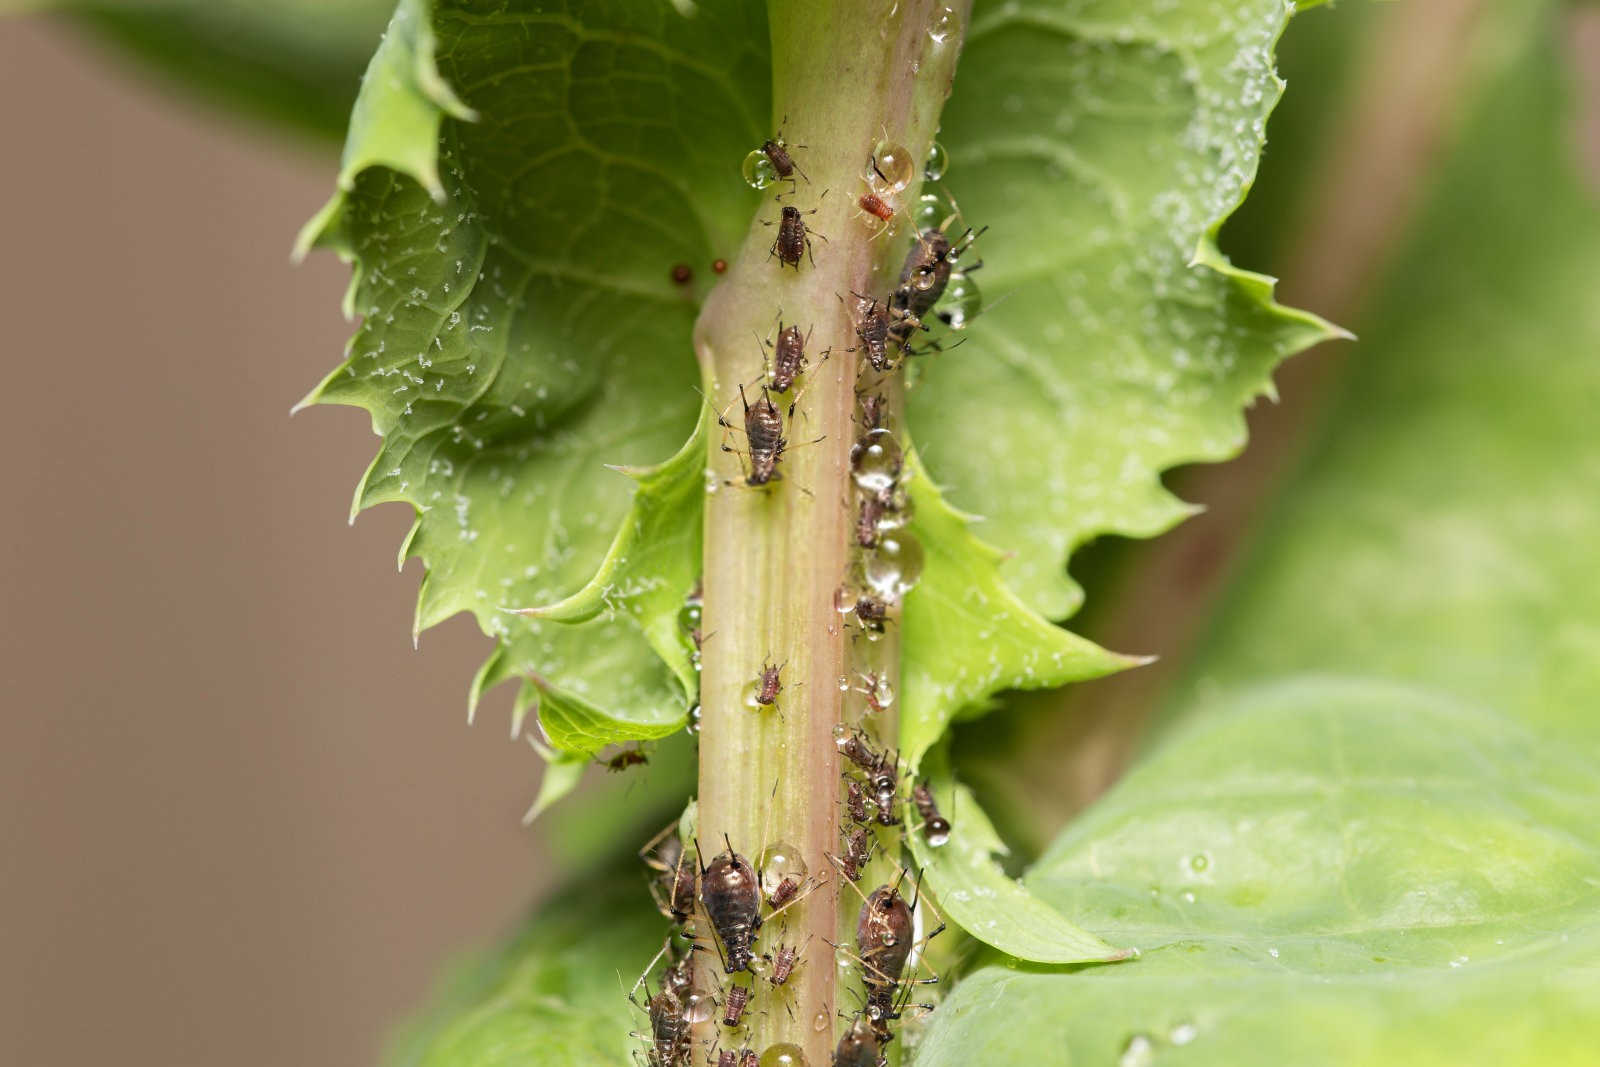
521 329
296 63
967 635
1373 838
1102 144
562 773
557 995
976 895
654 561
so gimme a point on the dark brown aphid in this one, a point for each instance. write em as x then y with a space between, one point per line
858 1047
770 685
763 429
628 757
731 895
884 937
936 826
777 152
788 357
872 328
856 803
734 1003
884 799
854 748
682 274
926 271
719 266
874 412
794 238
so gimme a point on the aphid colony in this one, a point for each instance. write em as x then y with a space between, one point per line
744 903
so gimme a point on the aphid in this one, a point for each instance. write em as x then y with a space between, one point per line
878 691
856 803
858 1047
869 517
770 685
783 964
936 826
730 892
871 612
682 274
794 238
734 1003
854 747
876 206
884 940
748 1058
719 266
674 885
669 1027
926 271
874 412
679 978
726 1058
857 853
777 152
763 430
628 757
872 328
783 893
788 357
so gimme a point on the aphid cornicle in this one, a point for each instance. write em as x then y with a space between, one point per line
858 1047
734 1003
730 892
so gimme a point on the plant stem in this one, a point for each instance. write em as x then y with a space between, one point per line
846 74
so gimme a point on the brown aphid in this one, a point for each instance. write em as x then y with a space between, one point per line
674 884
794 238
872 328
869 518
777 152
925 273
669 1031
730 892
727 1058
783 893
934 825
783 963
857 853
734 1003
884 934
770 684
682 273
628 757
763 429
871 613
874 412
884 799
788 357
858 1047
854 747
856 803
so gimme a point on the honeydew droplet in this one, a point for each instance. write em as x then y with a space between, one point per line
894 566
934 166
893 168
697 1008
945 26
758 170
876 460
781 861
752 689
929 212
783 1054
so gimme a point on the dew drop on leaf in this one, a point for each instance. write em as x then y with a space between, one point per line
934 166
758 170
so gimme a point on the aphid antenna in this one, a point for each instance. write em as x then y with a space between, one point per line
647 852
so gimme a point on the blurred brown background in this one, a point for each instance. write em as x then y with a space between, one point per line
244 822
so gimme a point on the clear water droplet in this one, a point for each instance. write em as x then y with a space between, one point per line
1138 1052
1199 862
882 692
781 861
783 1054
933 167
698 1007
875 461
844 684
894 566
945 26
929 212
892 168
844 600
961 302
840 731
819 1021
758 170
693 726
